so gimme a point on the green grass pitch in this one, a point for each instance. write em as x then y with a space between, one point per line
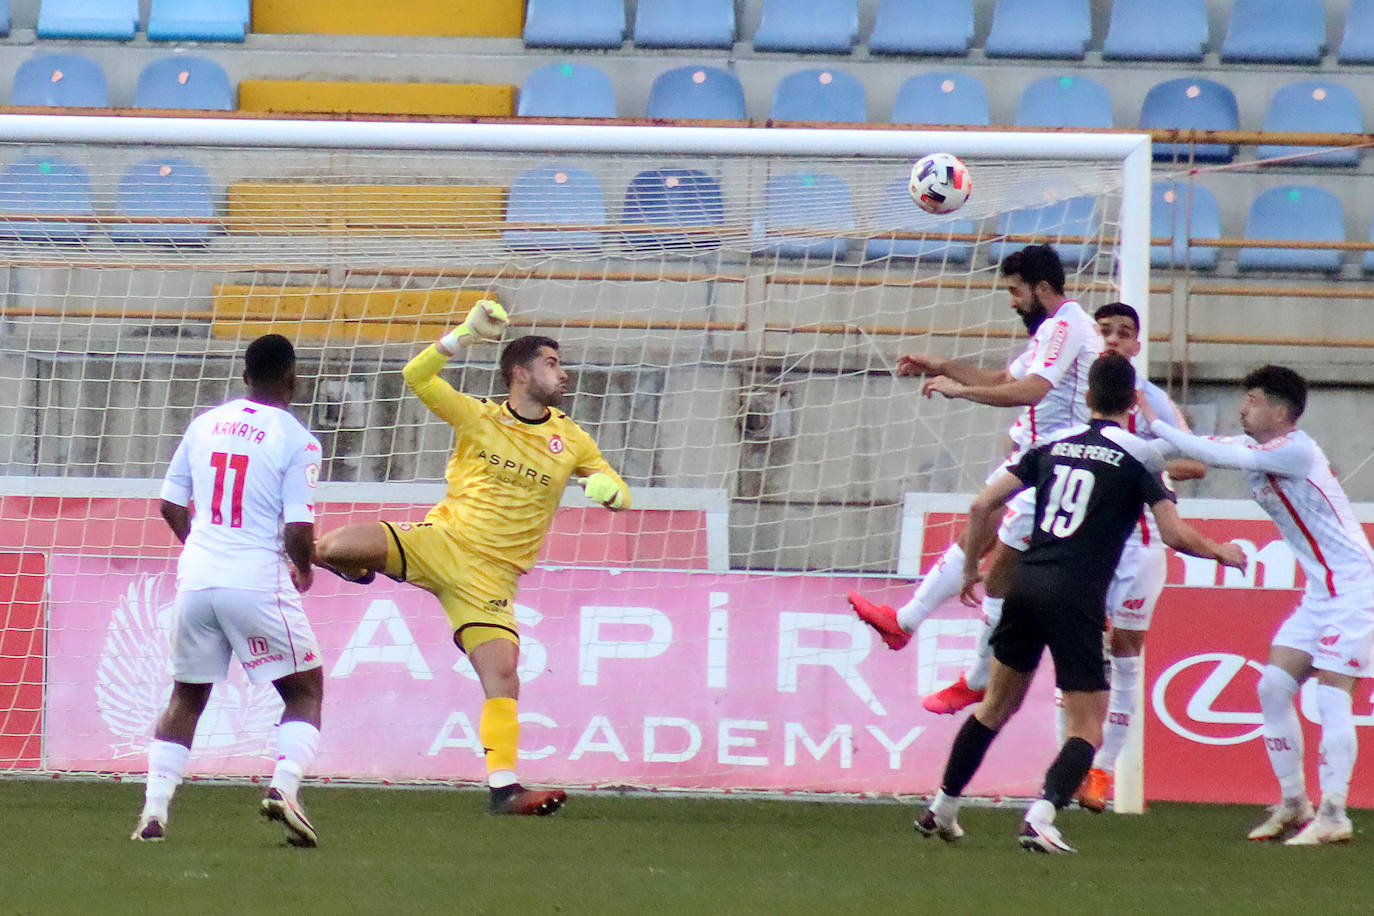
66 850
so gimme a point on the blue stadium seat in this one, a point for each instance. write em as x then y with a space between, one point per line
555 195
1299 214
898 212
942 98
198 20
1076 216
706 93
164 187
685 24
575 24
60 80
1367 261
1178 212
812 27
1276 31
567 91
1315 106
110 19
1191 104
943 27
1064 101
805 202
1057 29
184 82
46 185
1357 41
673 197
1156 30
4 17
819 95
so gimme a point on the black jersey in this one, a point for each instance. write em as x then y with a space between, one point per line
1091 484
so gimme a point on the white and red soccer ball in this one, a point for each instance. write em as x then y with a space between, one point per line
940 183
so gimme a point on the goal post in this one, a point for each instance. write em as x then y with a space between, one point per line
731 302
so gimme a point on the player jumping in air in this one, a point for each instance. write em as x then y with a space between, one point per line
1331 632
250 469
510 464
1089 485
1047 381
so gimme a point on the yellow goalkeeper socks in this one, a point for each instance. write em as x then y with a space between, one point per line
499 731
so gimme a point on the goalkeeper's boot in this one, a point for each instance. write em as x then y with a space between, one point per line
150 829
287 811
1038 832
953 698
881 618
1095 791
1288 815
930 825
517 800
1331 825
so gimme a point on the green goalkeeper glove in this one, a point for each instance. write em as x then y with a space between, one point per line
486 322
602 488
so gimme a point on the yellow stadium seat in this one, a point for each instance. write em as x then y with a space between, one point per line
451 18
325 313
292 208
457 100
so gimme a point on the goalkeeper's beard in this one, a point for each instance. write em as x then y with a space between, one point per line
547 397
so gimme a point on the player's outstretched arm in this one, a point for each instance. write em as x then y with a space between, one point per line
486 322
1024 392
1285 458
178 518
1184 538
964 373
983 517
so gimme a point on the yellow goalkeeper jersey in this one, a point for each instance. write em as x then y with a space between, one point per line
506 474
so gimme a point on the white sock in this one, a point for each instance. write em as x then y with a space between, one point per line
166 766
1041 811
945 807
977 675
1282 730
1339 744
1120 708
943 582
297 744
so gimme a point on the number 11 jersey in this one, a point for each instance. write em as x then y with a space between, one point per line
248 468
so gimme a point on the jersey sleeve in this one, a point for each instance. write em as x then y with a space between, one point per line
1154 489
1284 456
422 377
176 486
1164 407
1058 351
299 482
1018 367
1027 470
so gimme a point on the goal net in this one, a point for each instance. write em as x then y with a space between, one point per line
731 304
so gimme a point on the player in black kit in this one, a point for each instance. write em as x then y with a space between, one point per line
1091 484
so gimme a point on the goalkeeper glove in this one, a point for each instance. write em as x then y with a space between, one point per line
602 488
486 322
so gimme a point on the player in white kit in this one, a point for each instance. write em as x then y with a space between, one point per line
1331 632
1049 382
249 469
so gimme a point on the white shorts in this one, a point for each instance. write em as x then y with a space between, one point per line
268 631
1018 521
1136 586
1337 632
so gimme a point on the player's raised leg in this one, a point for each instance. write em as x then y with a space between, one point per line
1277 689
168 753
972 684
354 552
298 741
940 584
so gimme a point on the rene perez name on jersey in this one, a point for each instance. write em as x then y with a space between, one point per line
522 476
1088 452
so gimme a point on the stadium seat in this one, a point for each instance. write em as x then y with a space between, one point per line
813 27
943 27
1298 214
819 95
1171 219
1077 216
567 91
1057 29
1367 261
673 197
575 24
706 93
942 98
109 19
1357 41
61 81
1315 106
1191 104
4 17
1156 30
685 24
164 187
184 82
555 195
1275 31
1064 101
47 185
805 202
896 210
198 20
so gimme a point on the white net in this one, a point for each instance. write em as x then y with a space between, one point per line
731 323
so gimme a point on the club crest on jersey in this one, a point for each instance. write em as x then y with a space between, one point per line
556 445
312 475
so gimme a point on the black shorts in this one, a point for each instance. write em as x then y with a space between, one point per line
1048 607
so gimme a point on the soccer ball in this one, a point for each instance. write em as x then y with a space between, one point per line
940 183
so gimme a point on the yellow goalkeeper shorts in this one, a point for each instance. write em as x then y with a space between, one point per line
477 595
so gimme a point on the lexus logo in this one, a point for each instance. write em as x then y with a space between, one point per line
1198 710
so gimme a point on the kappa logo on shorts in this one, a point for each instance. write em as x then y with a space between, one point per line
556 445
1330 639
309 657
498 603
257 645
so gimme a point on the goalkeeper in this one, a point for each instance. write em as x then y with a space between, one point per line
509 466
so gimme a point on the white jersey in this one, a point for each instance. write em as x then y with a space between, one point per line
1292 480
1146 534
248 468
1061 352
